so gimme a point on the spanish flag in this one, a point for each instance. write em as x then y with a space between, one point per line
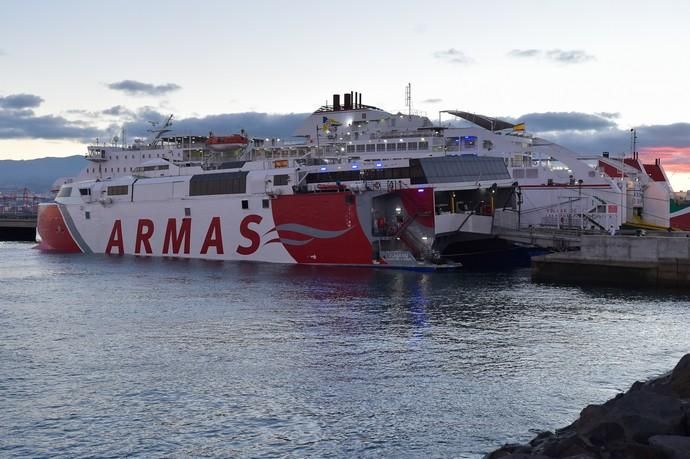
519 127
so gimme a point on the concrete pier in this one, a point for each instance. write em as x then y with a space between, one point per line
17 228
656 261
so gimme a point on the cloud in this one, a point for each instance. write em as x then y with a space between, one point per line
134 88
118 110
575 56
453 56
524 53
23 125
565 121
20 101
588 135
432 101
609 115
254 123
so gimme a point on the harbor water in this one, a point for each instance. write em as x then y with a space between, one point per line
125 356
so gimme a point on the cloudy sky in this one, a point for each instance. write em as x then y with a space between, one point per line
582 73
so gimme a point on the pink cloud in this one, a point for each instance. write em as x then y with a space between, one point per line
674 159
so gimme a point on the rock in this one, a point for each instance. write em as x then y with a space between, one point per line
650 421
639 415
675 446
680 377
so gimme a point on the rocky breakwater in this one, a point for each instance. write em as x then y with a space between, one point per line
649 421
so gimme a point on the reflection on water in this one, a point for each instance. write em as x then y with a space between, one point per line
152 357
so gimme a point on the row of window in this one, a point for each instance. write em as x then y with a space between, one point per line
118 190
265 203
221 183
392 173
391 146
143 156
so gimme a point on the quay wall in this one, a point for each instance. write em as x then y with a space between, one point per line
620 260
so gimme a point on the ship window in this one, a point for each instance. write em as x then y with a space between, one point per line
423 145
402 146
65 192
280 180
360 148
87 215
350 148
265 203
371 147
220 183
118 190
85 191
380 147
117 157
245 204
390 147
411 145
469 141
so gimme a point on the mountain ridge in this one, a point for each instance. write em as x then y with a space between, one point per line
38 175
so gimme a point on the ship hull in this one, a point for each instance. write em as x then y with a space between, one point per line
310 229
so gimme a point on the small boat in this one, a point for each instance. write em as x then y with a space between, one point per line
228 142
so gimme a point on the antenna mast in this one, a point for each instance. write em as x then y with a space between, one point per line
408 98
633 143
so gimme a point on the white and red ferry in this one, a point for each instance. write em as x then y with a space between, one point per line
315 207
355 185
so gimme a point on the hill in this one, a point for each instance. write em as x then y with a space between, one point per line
38 174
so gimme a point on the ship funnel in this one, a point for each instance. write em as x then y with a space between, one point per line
348 102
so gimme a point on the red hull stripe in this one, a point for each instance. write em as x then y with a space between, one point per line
55 235
328 232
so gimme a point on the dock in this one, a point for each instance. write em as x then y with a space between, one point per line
647 261
17 227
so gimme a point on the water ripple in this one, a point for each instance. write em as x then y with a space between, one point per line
115 357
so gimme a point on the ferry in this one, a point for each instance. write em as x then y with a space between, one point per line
355 185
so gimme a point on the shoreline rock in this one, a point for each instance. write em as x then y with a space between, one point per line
649 421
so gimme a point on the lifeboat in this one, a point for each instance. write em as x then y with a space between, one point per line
227 142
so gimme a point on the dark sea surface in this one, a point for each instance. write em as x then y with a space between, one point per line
110 357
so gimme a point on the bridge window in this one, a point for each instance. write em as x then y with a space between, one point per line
280 180
65 192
